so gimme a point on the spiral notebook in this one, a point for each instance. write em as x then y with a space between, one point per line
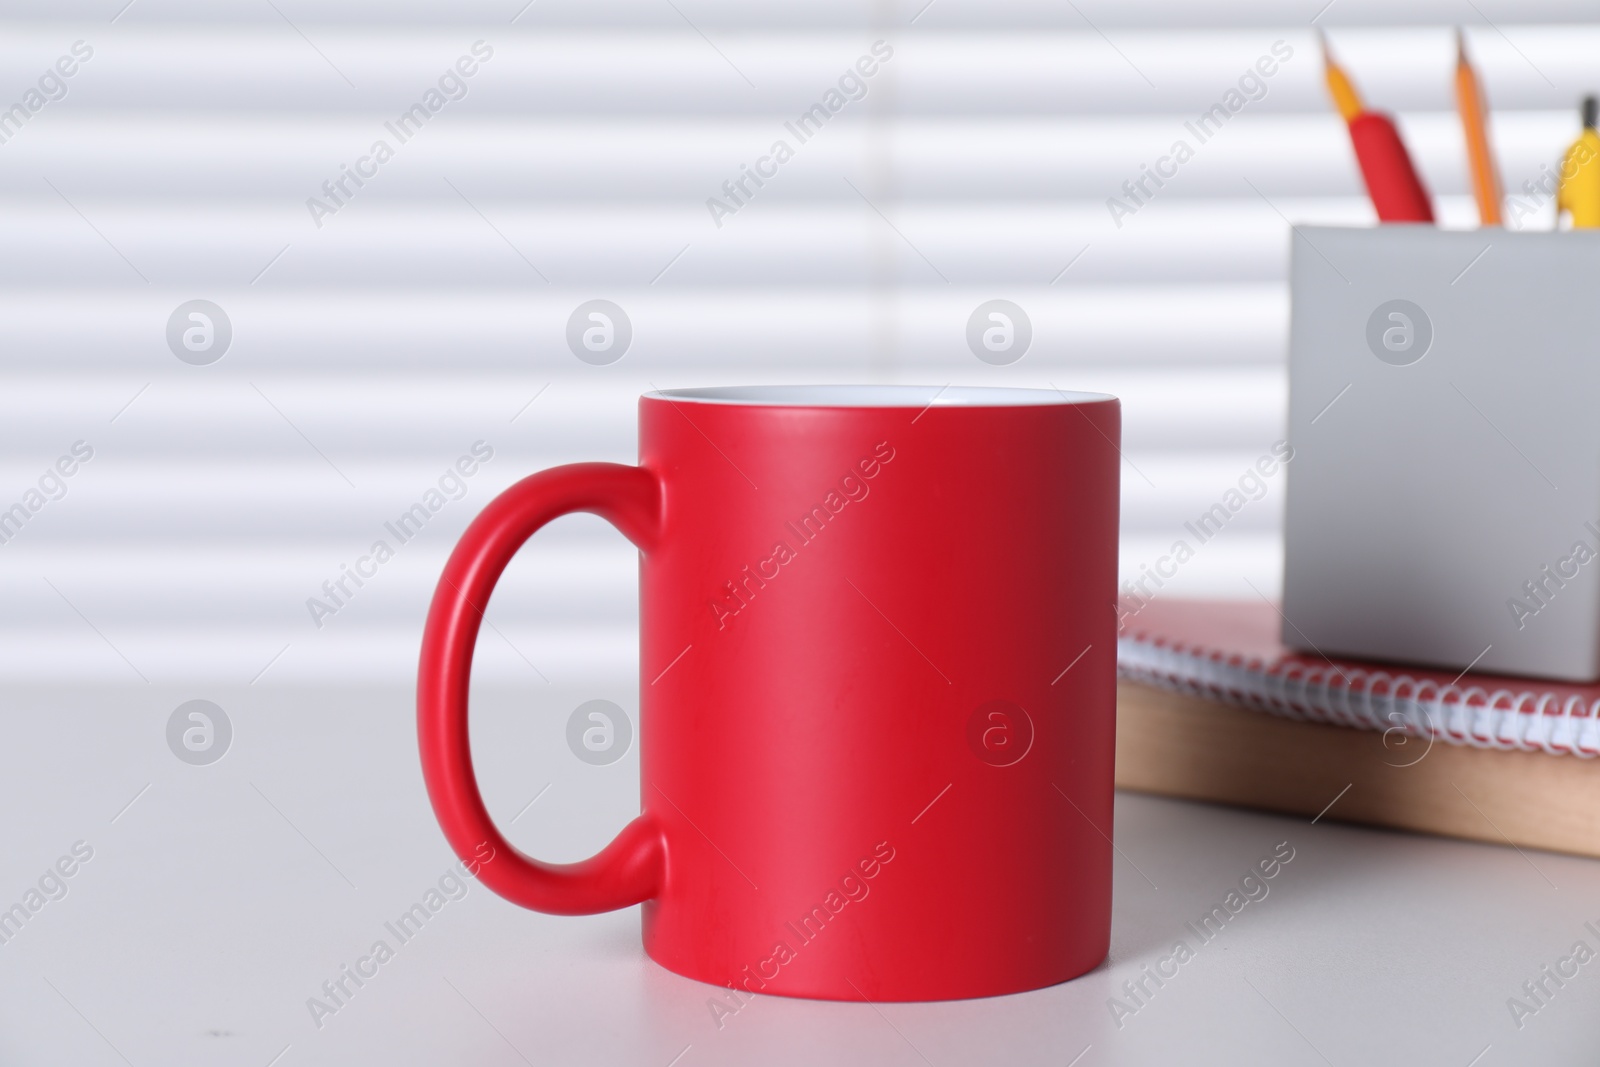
1229 652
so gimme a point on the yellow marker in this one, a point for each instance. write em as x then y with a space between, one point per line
1579 192
1344 94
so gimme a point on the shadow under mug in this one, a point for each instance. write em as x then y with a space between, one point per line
877 661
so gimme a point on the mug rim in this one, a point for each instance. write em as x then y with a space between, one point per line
879 396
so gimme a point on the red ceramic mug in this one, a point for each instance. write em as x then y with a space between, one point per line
877 667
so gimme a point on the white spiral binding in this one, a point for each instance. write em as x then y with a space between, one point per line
1349 697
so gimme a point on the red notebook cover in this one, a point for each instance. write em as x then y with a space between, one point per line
1229 651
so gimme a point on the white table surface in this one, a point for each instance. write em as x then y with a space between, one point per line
219 901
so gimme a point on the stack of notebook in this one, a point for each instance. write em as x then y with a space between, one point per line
1212 706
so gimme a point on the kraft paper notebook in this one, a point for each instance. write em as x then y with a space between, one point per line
1212 706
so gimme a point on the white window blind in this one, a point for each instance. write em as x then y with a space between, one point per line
383 330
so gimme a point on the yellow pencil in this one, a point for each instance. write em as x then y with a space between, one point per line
1474 123
1344 94
1392 182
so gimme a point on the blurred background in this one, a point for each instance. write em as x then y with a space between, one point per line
376 338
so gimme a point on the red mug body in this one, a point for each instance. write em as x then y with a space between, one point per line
877 677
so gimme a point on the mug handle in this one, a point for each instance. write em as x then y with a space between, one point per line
628 870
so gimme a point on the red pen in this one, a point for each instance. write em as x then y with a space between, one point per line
1396 191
